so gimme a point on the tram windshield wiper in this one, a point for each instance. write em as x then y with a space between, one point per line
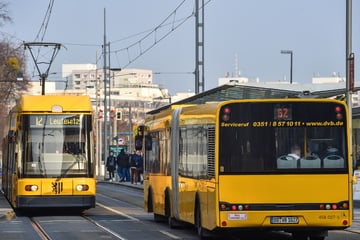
77 159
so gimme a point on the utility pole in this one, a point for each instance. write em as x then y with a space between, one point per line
199 47
106 121
349 65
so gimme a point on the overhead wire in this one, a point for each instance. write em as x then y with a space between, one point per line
42 31
175 23
153 33
171 19
45 22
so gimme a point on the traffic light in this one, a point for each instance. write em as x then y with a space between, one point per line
138 142
141 130
139 137
135 130
118 115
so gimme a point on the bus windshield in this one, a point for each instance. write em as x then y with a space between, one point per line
56 145
281 137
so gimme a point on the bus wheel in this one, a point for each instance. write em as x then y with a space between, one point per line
150 205
200 230
159 218
318 235
299 236
317 238
171 220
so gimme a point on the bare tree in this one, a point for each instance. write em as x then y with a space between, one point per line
4 14
12 61
12 65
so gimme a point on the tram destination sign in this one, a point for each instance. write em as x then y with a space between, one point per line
54 120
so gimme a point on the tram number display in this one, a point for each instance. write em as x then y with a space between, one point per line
284 220
282 112
54 120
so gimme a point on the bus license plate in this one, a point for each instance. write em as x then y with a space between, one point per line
284 220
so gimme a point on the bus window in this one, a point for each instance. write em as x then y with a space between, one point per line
255 137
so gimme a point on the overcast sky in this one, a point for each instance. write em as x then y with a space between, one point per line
247 35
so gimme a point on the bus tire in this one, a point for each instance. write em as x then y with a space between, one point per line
159 218
319 235
299 236
171 220
150 206
317 238
201 232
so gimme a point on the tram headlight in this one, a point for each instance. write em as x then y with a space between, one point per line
79 188
31 188
82 187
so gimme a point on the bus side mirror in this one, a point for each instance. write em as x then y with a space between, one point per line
148 143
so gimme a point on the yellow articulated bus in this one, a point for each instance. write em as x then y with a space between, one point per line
48 153
274 164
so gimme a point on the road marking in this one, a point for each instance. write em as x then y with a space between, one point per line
117 212
170 235
105 228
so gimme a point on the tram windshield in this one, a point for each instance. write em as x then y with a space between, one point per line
298 137
56 145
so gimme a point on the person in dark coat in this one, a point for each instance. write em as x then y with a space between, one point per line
136 166
123 166
111 166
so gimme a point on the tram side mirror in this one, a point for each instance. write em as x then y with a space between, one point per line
148 143
12 136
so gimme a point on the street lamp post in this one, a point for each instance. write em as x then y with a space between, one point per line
291 61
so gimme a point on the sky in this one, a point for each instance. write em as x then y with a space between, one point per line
159 35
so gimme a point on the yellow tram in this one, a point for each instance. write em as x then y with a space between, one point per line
48 153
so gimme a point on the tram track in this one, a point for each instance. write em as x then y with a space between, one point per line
96 223
38 229
44 227
89 220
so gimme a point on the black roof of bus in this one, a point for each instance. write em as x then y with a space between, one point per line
238 91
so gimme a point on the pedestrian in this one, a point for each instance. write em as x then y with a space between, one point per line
111 166
127 169
140 168
123 165
136 167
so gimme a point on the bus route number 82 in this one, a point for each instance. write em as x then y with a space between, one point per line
282 113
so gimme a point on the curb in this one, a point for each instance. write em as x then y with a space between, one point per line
7 214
